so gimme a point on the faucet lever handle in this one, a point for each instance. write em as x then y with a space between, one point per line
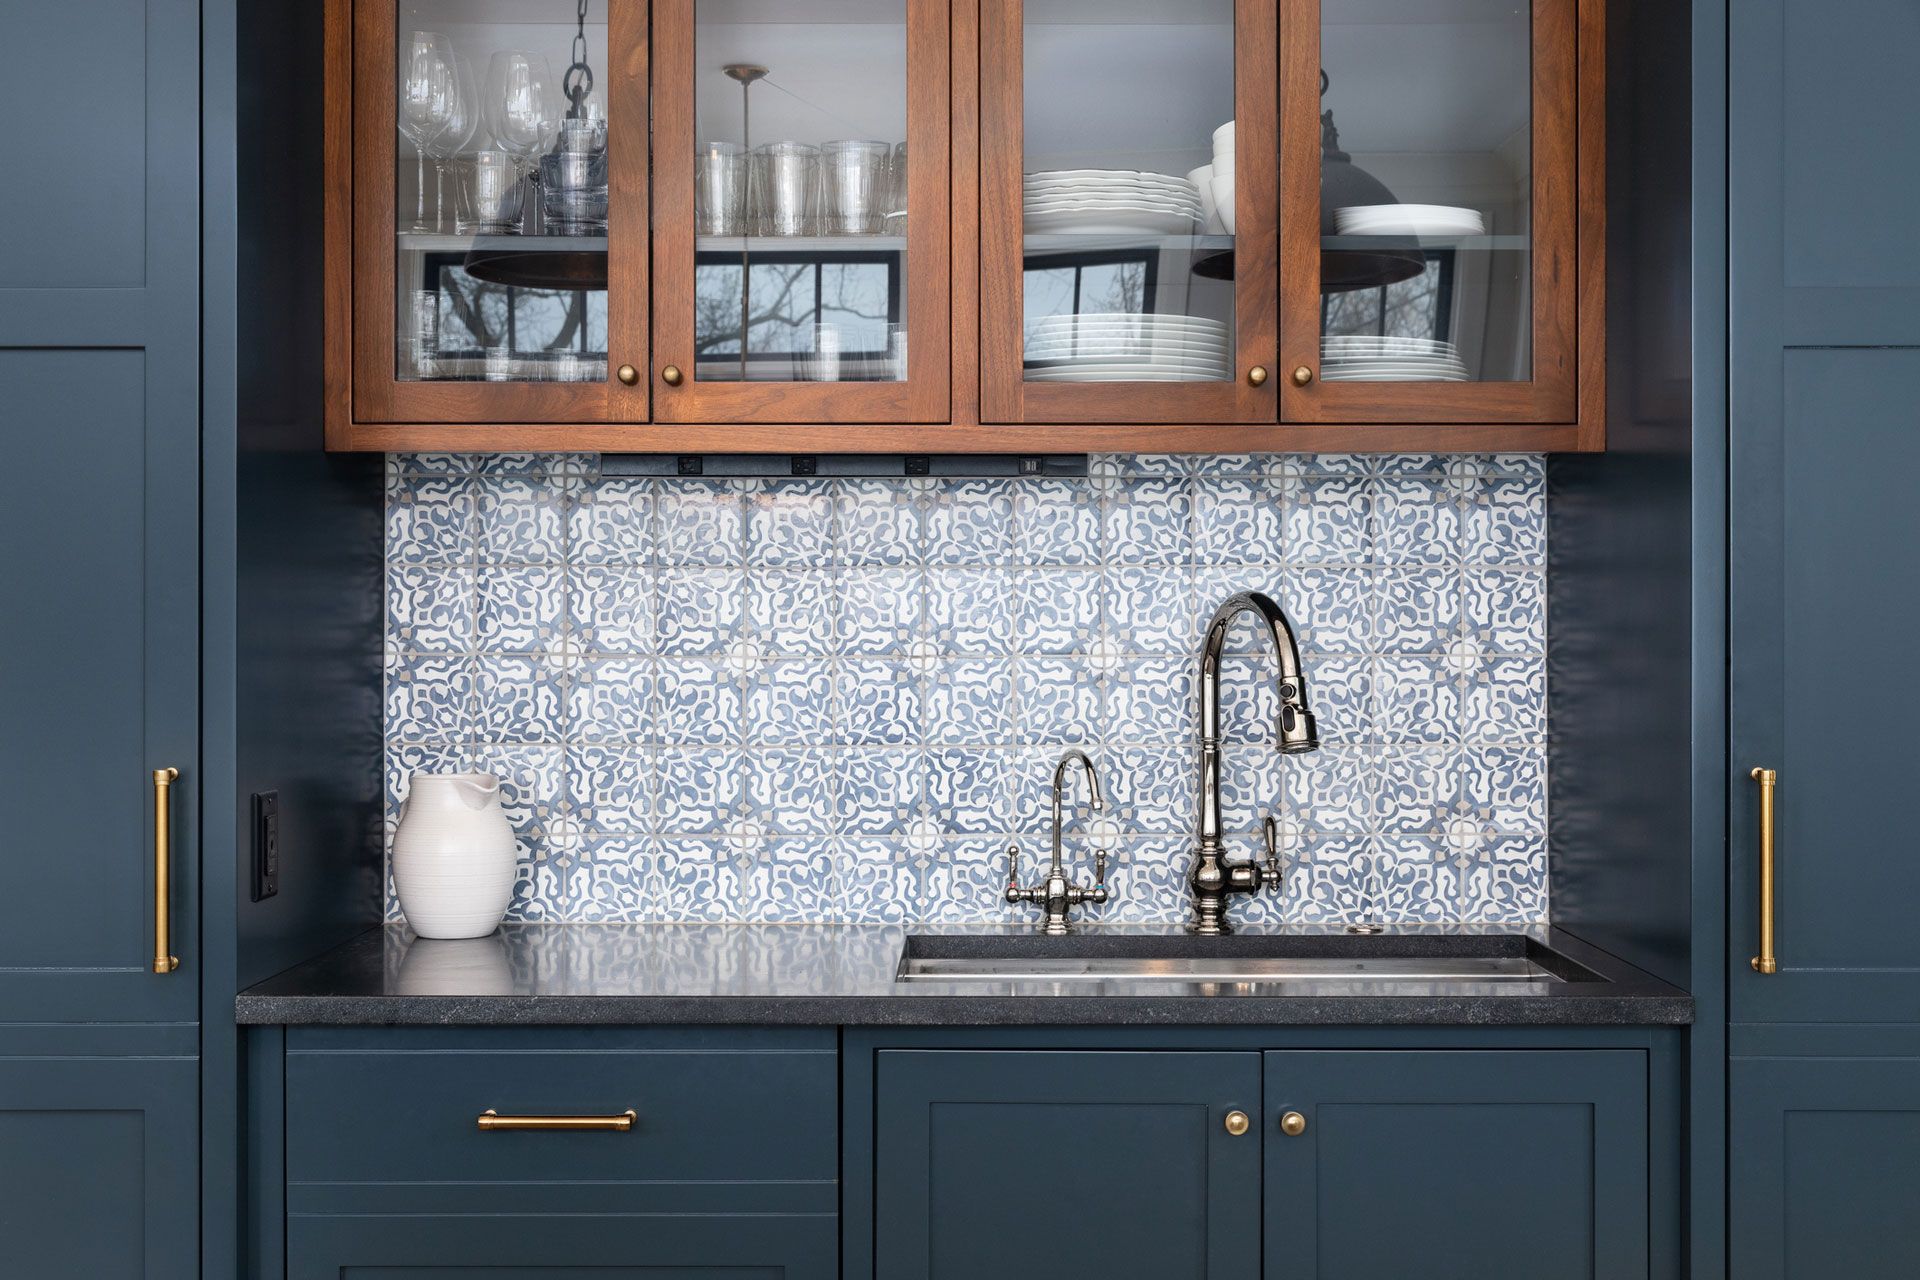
1270 830
1014 892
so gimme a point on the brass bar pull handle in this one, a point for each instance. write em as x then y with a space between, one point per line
1766 962
163 959
491 1121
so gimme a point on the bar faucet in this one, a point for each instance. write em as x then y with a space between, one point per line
1056 895
1213 877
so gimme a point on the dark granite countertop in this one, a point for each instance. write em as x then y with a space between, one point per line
844 975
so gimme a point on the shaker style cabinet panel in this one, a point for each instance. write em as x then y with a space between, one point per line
1823 613
99 638
99 1161
1456 1165
1016 1164
1824 1155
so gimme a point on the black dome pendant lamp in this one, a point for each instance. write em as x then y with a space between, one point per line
1345 185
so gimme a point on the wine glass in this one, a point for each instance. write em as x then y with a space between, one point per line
522 106
427 103
447 144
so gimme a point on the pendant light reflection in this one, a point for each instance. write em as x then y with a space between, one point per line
1345 185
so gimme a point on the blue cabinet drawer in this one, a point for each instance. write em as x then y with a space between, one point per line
711 1105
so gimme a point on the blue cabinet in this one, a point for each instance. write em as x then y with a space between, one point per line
1039 1164
1456 1165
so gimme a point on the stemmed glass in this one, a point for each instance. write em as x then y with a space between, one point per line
523 107
428 95
446 145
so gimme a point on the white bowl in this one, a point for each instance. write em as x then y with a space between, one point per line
1202 179
1223 137
1223 200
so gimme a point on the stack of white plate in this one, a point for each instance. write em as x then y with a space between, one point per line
1127 347
1369 359
1408 220
1110 202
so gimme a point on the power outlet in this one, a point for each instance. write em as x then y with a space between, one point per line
266 844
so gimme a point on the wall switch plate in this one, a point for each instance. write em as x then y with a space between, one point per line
266 844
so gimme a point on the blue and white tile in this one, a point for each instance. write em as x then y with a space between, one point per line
611 788
1506 883
1149 522
613 701
611 523
795 791
970 522
1334 791
795 612
791 703
960 881
405 759
969 702
698 791
1416 610
1416 521
790 522
700 611
614 609
622 880
971 611
792 881
1249 699
429 697
1507 609
521 521
1330 880
533 790
696 881
430 608
879 790
878 522
1416 700
1505 522
1252 787
1151 790
871 882
431 520
1150 611
1146 881
1340 695
699 702
1417 885
701 522
877 702
1328 520
521 607
1416 789
965 791
1505 700
1057 611
1056 522
1236 521
882 609
520 699
1150 702
1332 610
1059 701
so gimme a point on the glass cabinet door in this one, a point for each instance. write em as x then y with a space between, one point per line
1428 211
1128 258
500 187
800 220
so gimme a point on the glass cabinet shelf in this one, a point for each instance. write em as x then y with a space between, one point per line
1512 244
825 245
442 242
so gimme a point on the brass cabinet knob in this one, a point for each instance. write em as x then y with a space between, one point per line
1293 1124
1302 376
628 375
1238 1124
672 376
1257 376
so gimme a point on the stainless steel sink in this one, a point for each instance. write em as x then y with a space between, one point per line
1253 970
1279 963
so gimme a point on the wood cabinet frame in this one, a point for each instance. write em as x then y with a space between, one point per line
964 392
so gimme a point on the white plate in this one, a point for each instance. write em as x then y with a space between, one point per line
1101 175
1403 212
1113 206
1134 351
1088 224
1156 360
1076 375
1110 184
1409 220
1065 328
1393 377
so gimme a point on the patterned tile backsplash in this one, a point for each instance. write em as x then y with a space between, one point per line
816 700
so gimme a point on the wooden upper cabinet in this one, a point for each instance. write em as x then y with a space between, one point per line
946 226
499 206
1112 288
801 210
1440 165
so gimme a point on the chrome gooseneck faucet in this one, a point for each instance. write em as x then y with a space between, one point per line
1213 876
1056 895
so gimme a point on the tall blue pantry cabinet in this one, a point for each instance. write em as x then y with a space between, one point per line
1824 605
99 639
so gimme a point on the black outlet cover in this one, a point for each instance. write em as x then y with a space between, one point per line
266 844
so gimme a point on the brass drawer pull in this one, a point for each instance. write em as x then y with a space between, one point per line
1766 962
163 959
492 1121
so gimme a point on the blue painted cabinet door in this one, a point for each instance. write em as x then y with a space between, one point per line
1824 526
1013 1164
99 426
98 1160
1825 1163
1457 1165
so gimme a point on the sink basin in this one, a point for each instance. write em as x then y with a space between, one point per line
1279 963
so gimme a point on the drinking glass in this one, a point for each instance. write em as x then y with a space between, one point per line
490 198
522 107
854 186
573 180
499 364
446 145
428 103
719 189
423 332
895 221
786 186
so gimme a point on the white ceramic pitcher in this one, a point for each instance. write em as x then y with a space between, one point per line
453 855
